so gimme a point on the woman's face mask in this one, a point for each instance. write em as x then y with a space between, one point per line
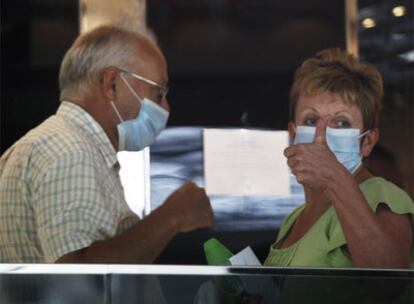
344 143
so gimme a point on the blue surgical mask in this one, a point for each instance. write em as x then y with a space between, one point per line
344 143
136 134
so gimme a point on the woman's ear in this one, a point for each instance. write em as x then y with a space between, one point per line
369 141
108 83
292 131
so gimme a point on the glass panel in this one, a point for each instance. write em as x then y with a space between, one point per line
196 284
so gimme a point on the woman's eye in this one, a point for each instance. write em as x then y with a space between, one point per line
310 122
344 124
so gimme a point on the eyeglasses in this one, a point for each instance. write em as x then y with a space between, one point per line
162 90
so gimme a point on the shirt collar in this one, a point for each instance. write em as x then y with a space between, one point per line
81 118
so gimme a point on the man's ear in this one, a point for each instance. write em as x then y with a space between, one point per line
369 141
292 131
108 83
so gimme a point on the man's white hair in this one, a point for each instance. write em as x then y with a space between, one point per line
103 47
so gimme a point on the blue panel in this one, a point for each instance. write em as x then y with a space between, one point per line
177 157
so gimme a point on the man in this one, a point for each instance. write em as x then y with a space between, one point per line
60 195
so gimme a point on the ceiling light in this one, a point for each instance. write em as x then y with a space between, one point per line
399 11
409 56
368 23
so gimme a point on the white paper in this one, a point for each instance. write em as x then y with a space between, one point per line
246 257
135 179
245 162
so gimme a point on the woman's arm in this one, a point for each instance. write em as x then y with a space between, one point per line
380 239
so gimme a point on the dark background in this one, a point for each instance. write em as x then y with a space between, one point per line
231 62
226 58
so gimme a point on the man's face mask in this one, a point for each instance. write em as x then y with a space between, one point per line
136 134
344 143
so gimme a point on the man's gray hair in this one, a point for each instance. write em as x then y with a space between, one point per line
100 48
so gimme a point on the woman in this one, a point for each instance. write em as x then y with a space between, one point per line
350 218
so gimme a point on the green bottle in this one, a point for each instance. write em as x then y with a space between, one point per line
216 253
229 288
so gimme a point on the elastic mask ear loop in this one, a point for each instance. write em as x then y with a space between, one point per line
365 133
116 111
362 135
130 88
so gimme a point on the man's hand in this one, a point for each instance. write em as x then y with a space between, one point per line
314 164
190 206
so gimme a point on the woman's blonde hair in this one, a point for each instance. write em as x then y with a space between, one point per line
336 72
